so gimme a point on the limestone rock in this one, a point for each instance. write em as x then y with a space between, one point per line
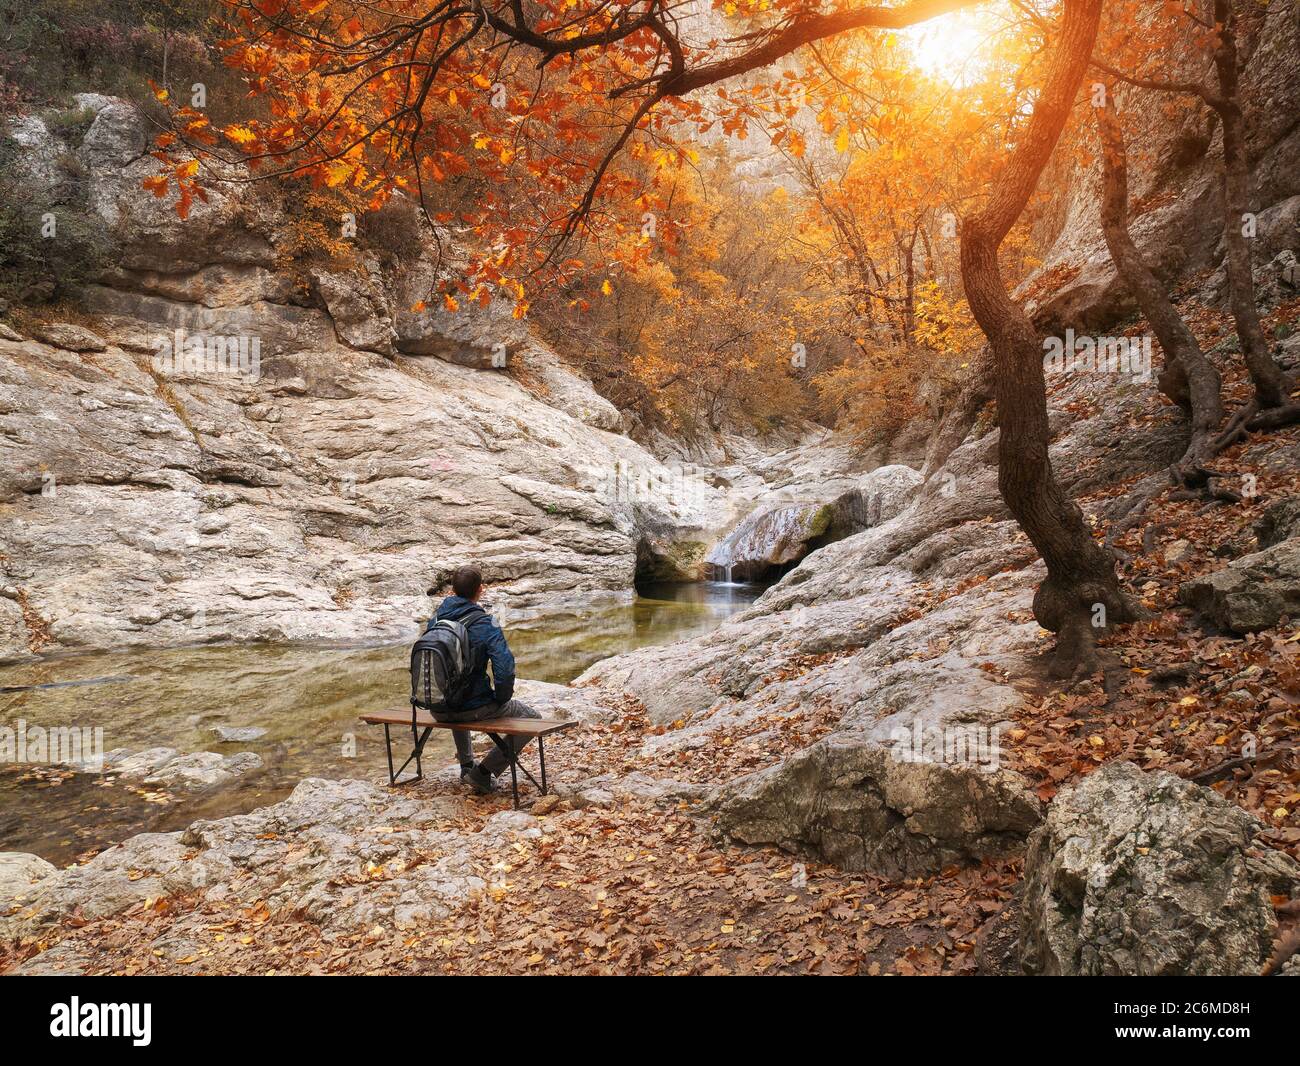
358 309
853 803
1254 592
770 538
483 338
1280 521
67 336
301 855
20 873
238 734
1147 874
117 137
879 496
167 768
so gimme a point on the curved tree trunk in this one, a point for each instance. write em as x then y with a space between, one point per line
1081 593
1188 378
1269 379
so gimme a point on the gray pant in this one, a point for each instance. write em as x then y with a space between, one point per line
494 761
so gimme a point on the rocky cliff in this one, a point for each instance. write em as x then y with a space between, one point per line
234 441
1176 212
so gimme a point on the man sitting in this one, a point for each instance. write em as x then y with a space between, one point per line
484 699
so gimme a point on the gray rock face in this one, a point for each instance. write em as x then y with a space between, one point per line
1280 521
1254 592
781 530
20 873
358 308
317 490
344 853
70 337
1147 874
855 804
770 538
1179 169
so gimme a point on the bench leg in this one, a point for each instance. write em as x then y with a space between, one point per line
541 758
420 741
512 756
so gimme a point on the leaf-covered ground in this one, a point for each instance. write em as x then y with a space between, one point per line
1175 694
633 887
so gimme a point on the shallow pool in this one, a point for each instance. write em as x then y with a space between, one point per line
306 699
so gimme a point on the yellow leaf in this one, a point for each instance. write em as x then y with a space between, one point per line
842 140
449 302
241 135
606 287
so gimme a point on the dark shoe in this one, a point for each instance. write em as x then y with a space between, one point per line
478 779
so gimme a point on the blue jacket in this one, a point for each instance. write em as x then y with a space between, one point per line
489 645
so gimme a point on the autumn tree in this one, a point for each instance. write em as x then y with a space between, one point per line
1142 60
1188 377
423 92
717 322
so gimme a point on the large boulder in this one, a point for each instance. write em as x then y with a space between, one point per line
1254 592
1147 874
856 804
20 873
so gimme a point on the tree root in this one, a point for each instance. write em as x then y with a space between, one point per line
1274 418
1191 478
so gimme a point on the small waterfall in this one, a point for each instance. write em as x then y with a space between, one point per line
767 539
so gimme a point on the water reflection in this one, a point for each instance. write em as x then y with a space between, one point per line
307 699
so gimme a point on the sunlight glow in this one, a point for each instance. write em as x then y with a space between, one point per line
952 47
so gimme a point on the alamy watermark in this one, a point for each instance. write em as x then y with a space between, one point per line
75 746
949 745
672 484
200 353
1081 354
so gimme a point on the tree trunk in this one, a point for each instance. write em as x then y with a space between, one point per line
1081 593
1188 378
1269 379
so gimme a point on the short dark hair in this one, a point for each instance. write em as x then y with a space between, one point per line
466 581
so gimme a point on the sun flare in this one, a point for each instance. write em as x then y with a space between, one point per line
952 47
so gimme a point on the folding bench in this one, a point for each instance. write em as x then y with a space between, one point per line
422 723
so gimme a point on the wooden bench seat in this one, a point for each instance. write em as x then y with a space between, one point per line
422 723
509 727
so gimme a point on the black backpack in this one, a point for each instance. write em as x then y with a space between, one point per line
442 663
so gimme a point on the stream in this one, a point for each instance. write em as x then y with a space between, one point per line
307 699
